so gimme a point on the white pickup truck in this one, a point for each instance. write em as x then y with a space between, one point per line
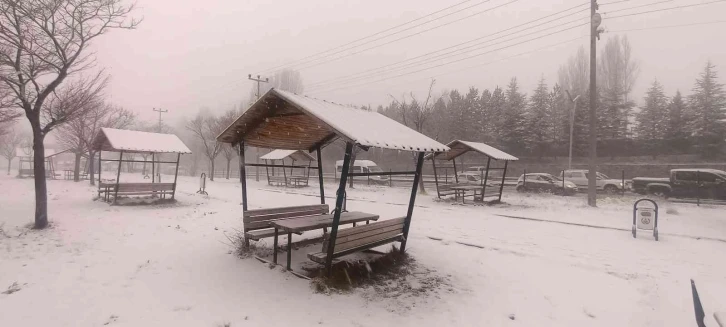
604 183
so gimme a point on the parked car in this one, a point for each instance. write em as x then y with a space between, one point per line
365 166
685 183
469 177
541 182
603 182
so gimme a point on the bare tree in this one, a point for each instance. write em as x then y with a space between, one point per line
79 133
574 76
206 128
417 116
43 43
228 151
9 142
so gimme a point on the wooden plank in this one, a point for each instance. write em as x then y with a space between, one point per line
265 211
369 234
367 240
320 257
373 226
261 233
322 221
282 215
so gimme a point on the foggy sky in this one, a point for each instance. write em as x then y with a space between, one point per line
192 54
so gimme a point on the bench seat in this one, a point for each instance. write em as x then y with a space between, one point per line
256 222
359 238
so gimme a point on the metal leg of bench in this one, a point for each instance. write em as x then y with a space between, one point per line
274 249
289 250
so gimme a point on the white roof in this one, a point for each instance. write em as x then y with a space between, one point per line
490 151
282 154
362 163
262 124
367 128
459 147
110 139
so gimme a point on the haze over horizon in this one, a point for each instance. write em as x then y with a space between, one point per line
186 56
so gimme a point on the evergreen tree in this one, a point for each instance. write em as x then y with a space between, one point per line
653 117
560 110
514 122
708 105
470 108
497 104
539 120
678 118
485 115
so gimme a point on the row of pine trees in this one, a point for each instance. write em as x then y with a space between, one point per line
538 124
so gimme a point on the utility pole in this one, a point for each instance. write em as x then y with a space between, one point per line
257 150
160 112
572 125
595 21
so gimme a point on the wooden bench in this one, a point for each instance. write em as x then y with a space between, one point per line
257 222
277 180
364 237
160 189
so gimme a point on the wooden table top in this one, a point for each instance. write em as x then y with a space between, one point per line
294 225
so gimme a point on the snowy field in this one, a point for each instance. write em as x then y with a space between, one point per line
552 262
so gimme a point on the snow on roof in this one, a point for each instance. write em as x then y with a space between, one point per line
362 163
296 155
110 139
459 147
284 120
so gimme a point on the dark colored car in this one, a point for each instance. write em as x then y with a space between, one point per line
685 183
542 182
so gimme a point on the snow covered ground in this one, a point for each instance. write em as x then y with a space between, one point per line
171 264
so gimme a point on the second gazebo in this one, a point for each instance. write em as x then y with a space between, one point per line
297 176
477 177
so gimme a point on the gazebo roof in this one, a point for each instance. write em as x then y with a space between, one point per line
459 147
110 139
284 120
296 155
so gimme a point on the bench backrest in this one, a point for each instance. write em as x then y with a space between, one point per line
260 218
143 187
358 236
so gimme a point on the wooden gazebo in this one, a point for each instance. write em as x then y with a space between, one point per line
128 141
283 120
482 176
295 178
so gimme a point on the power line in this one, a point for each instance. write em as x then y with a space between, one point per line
378 33
636 7
458 60
492 62
364 72
666 26
401 38
665 9
372 35
454 52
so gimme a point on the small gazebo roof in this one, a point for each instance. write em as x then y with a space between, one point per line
459 147
284 120
110 139
296 155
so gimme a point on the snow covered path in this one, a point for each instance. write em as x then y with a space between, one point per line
170 265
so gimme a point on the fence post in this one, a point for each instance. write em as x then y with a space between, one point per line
698 188
563 183
390 178
524 183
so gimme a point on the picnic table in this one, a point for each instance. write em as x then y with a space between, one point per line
460 190
298 181
298 225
